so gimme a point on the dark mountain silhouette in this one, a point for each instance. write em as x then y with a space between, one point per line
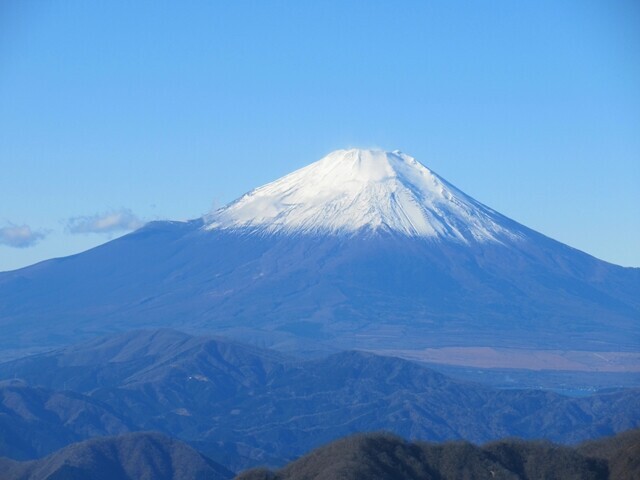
621 452
134 456
372 456
387 457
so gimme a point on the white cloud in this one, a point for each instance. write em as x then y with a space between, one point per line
20 236
107 222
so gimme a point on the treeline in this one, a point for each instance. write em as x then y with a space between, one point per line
387 457
133 456
379 456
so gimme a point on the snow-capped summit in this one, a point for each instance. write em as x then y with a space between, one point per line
365 250
358 189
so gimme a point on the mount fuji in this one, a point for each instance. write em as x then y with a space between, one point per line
362 249
356 191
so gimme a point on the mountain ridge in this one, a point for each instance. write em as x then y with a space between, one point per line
384 456
139 455
319 292
243 406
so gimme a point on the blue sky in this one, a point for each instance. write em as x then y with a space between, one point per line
113 113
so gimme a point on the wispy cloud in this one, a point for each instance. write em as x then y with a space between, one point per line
20 236
107 222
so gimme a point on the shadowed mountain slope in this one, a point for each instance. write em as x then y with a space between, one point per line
134 456
375 456
35 421
621 452
386 457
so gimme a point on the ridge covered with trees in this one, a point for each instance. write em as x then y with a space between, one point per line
381 456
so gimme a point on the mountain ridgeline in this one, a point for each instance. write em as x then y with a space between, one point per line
361 250
386 457
244 406
379 456
134 456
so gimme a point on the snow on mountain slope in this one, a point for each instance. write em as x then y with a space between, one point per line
363 249
354 190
